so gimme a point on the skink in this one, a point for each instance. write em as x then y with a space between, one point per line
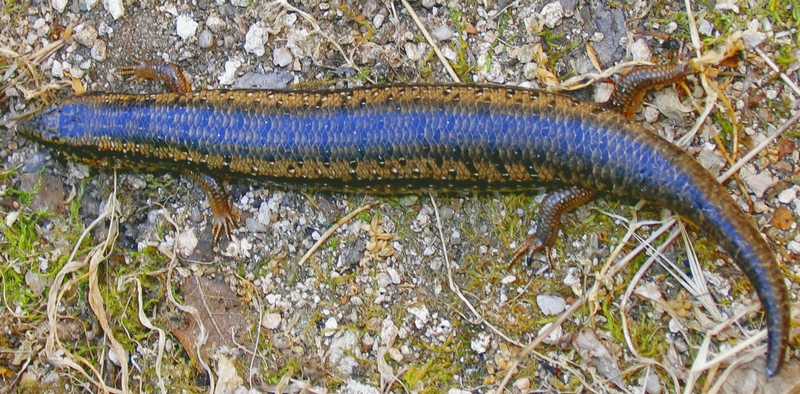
405 138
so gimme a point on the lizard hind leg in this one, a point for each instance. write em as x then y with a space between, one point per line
169 73
225 218
548 220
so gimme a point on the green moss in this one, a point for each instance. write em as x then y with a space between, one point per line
462 67
436 373
556 46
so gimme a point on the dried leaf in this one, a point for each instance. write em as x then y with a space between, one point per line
594 353
221 312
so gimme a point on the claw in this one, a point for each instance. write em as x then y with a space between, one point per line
532 245
223 222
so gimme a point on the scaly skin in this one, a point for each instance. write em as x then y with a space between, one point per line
399 139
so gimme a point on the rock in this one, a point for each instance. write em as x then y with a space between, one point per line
185 243
794 247
481 344
640 51
272 80
331 325
185 26
759 182
421 314
523 385
603 92
783 219
353 386
115 8
98 51
215 23
554 336
414 51
753 37
228 76
378 20
787 196
340 350
59 5
388 332
611 23
711 160
383 281
255 39
393 275
552 13
705 28
727 5
550 305
85 35
87 5
649 290
652 384
442 33
205 39
428 3
651 114
395 355
282 57
271 321
446 213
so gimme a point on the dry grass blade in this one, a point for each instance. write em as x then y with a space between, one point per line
608 270
21 70
477 314
310 19
162 335
55 352
701 365
328 233
582 81
431 41
632 286
97 256
195 314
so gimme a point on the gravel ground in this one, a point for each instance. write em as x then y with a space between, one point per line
372 310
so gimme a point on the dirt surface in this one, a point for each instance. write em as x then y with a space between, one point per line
372 310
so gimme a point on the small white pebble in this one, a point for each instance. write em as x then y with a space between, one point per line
255 39
271 321
553 13
652 385
794 247
640 51
554 336
330 326
787 196
674 327
185 26
550 305
282 57
115 8
523 384
481 344
508 279
706 28
395 355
